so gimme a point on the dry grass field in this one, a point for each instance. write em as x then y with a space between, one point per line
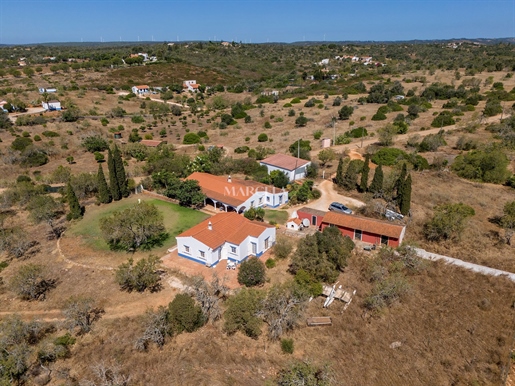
454 327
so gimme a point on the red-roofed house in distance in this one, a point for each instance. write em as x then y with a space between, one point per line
366 229
294 168
225 236
238 195
143 89
190 85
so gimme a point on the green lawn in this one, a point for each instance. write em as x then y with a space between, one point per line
279 216
176 220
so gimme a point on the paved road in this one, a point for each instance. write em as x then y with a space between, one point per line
460 263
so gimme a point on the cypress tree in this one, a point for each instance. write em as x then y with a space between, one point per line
405 200
121 176
376 186
73 202
113 182
363 186
104 195
339 173
400 181
351 175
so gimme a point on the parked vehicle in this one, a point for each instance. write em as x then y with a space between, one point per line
338 207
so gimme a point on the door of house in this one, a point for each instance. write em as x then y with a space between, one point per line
254 248
313 220
267 241
384 240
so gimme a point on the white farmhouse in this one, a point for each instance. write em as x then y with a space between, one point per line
238 195
52 105
295 168
139 90
225 236
190 85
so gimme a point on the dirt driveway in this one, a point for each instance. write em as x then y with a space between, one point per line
329 195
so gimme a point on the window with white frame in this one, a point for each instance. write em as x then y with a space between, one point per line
186 249
202 254
233 249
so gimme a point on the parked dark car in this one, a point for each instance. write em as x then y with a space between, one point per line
338 207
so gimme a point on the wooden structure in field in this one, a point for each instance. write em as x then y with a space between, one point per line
319 321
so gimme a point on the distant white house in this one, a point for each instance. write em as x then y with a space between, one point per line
294 223
48 90
139 90
190 85
225 236
52 105
294 168
324 62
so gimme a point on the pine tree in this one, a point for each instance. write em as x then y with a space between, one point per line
104 195
376 186
400 181
121 176
405 200
339 173
363 185
113 181
73 202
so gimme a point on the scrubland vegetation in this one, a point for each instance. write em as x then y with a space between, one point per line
426 130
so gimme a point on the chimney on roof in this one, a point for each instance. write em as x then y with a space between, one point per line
229 178
210 226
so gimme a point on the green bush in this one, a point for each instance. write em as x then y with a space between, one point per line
358 132
50 134
137 119
388 156
184 314
37 138
262 137
140 277
443 119
448 222
251 272
287 346
378 116
295 100
270 263
483 165
318 134
95 143
282 247
241 311
20 143
241 149
191 138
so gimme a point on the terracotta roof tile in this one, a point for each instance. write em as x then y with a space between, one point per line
225 227
233 193
365 224
312 211
284 161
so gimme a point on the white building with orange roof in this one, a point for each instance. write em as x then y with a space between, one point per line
142 89
238 195
225 236
294 168
190 85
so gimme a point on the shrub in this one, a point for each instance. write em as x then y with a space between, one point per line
20 143
448 222
432 142
483 165
388 156
443 119
184 314
270 263
295 100
318 134
50 134
137 119
282 247
37 138
139 277
267 125
262 137
301 121
241 149
358 132
95 143
251 272
30 282
241 313
287 346
191 138
379 116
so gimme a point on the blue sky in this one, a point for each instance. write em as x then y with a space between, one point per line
41 21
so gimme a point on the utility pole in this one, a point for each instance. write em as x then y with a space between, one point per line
333 121
362 135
